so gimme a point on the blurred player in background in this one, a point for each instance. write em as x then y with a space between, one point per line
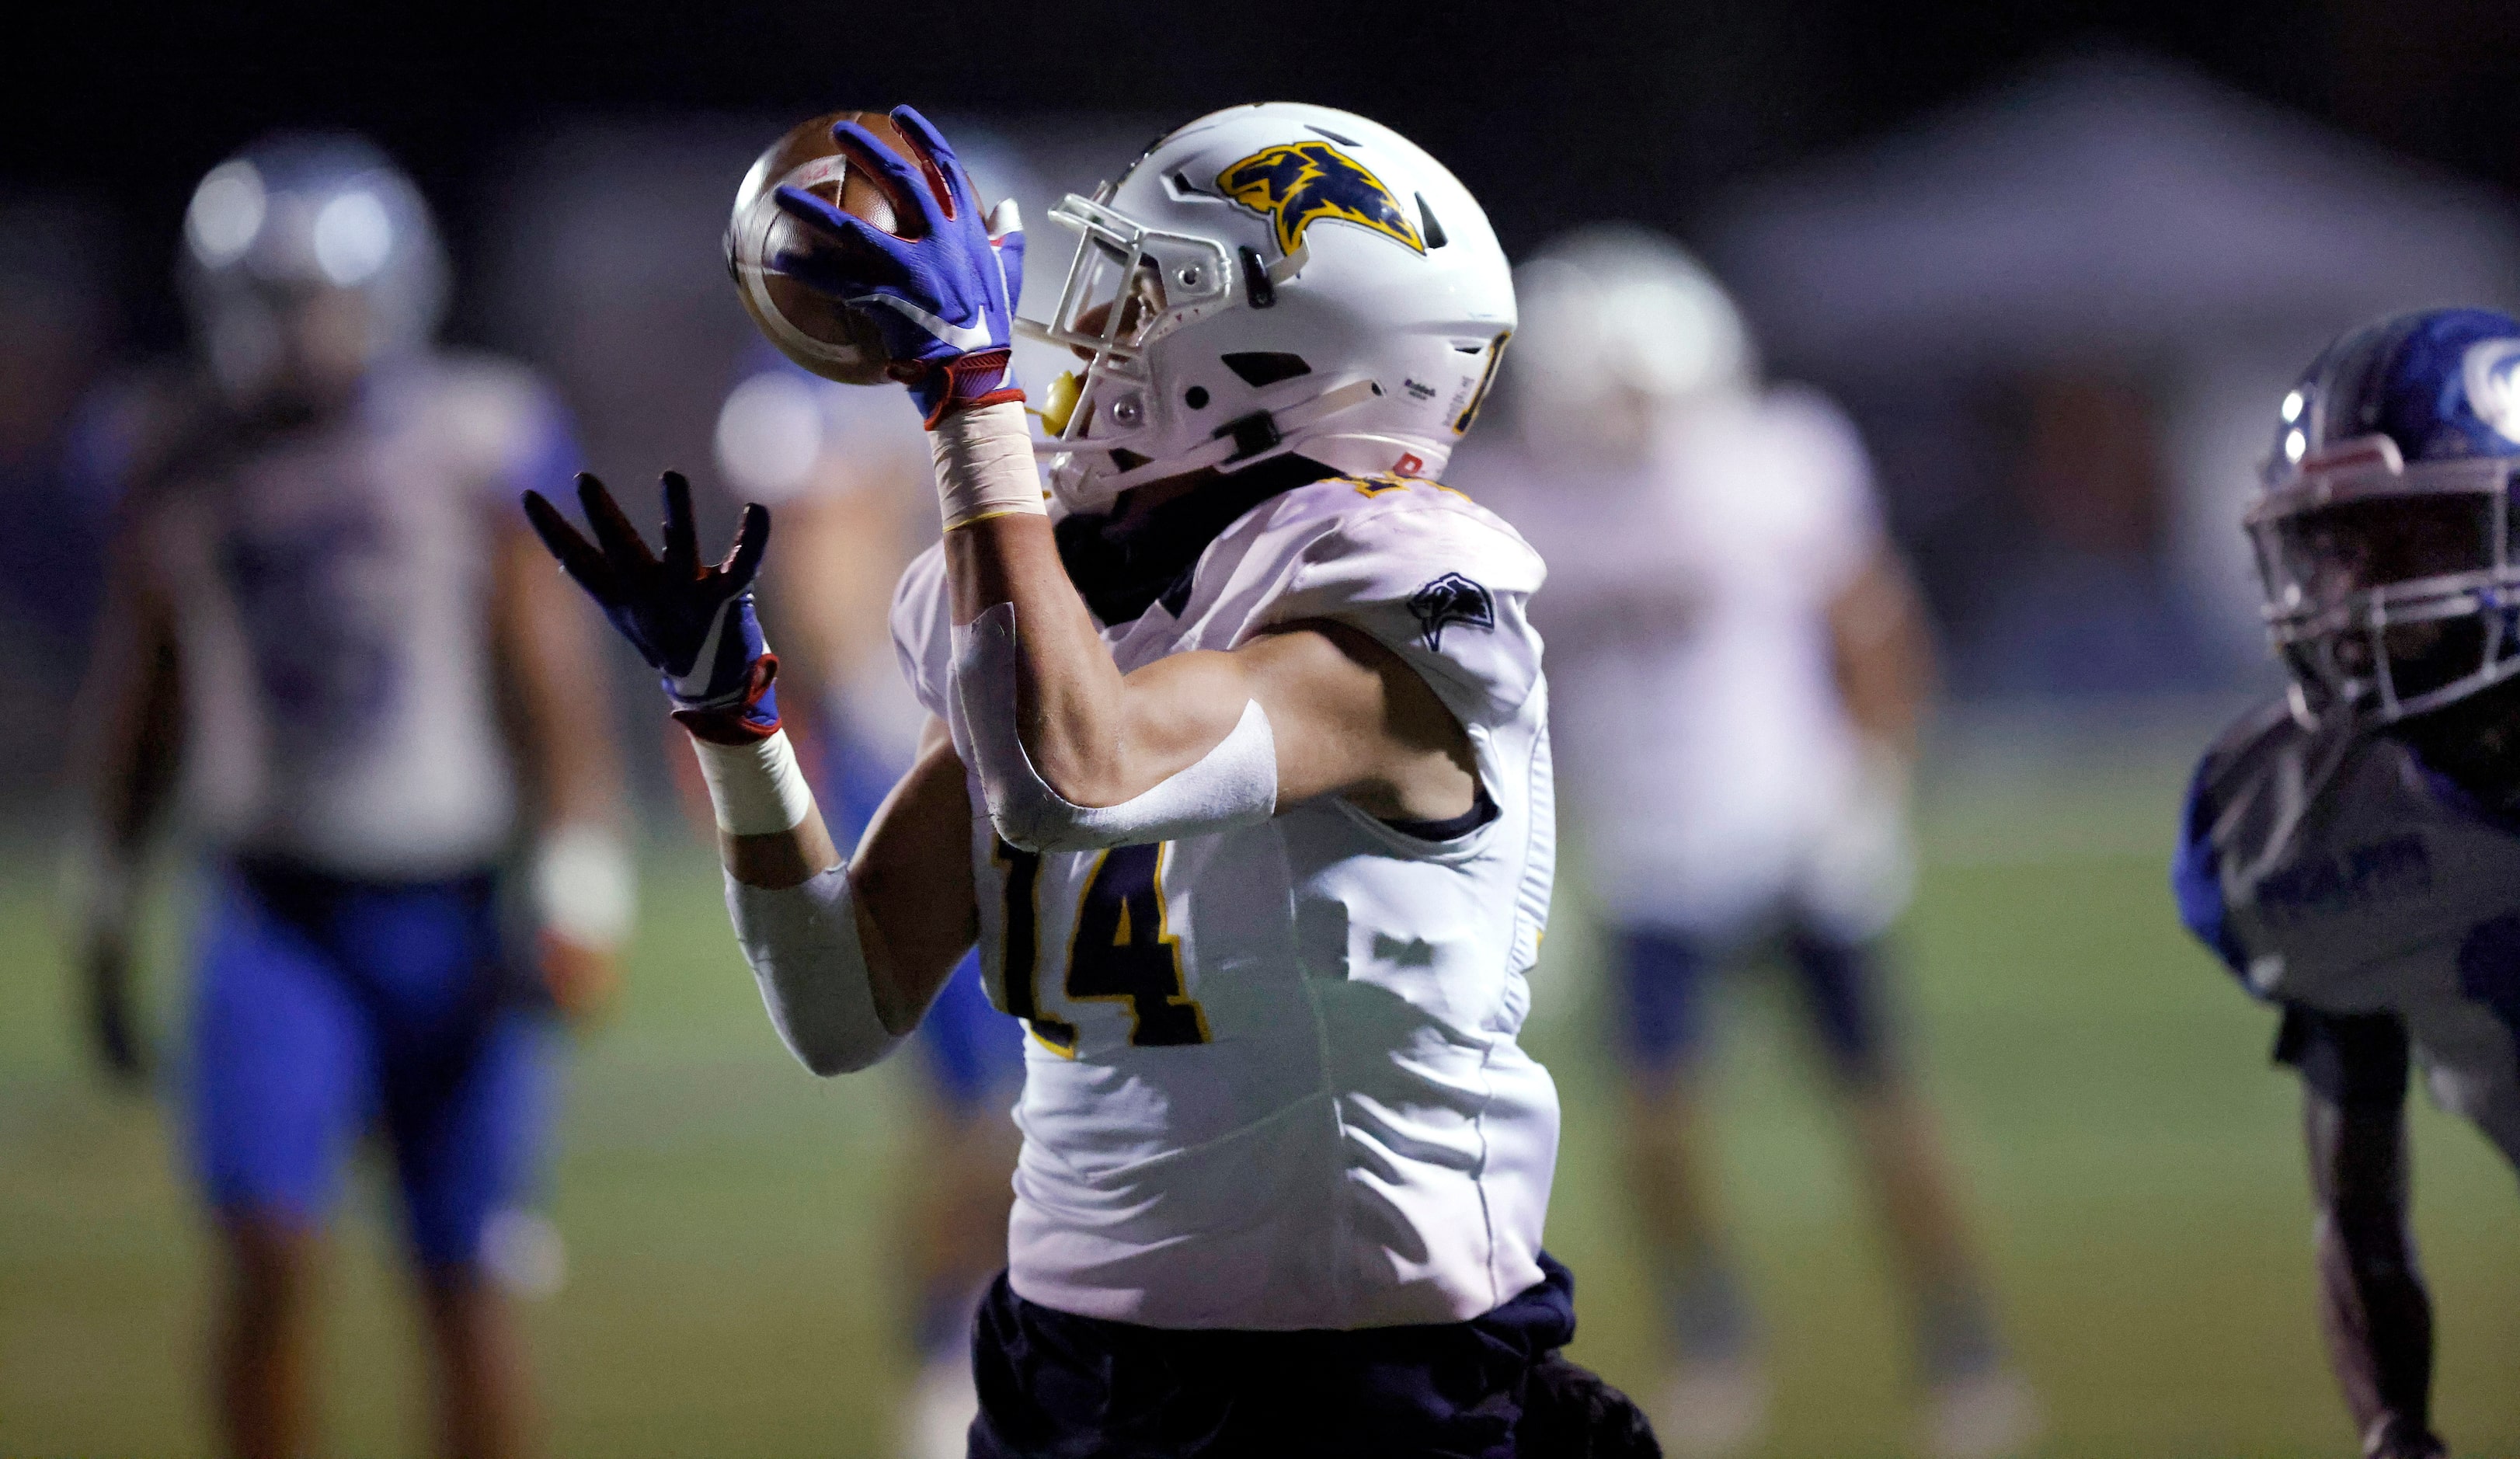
848 471
2352 849
325 620
1741 669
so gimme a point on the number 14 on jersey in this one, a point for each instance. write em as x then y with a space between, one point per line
1120 951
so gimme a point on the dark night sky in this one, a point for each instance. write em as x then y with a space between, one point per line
1547 111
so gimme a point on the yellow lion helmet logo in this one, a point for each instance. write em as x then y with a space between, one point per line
1297 182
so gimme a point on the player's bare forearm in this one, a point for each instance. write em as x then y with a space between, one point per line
554 688
134 696
1883 648
2372 1303
917 906
1071 712
1348 717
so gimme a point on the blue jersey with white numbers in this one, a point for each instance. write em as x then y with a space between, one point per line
2336 871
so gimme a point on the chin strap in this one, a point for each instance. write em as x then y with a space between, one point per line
1243 441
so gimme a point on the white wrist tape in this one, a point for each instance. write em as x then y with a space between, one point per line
756 788
583 886
1235 784
984 464
802 942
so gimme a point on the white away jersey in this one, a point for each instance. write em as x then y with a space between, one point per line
1708 758
330 592
2340 874
1273 1080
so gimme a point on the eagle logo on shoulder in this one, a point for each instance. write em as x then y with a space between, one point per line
1447 600
1298 182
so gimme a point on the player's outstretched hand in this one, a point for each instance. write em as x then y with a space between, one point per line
121 1051
692 622
944 300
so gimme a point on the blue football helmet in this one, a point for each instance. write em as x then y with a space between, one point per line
2383 535
295 216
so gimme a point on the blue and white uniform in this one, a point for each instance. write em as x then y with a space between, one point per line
2335 874
328 587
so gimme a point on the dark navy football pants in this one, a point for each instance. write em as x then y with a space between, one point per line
1053 1384
1665 979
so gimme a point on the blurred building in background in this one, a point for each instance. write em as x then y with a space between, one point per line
2059 311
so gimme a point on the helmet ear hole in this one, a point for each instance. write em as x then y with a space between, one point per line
1264 366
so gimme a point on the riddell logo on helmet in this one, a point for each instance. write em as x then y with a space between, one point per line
1408 465
1300 181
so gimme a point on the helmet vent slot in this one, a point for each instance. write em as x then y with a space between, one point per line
1432 231
1261 367
1257 285
1333 136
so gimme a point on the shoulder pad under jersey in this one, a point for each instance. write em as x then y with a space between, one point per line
1431 575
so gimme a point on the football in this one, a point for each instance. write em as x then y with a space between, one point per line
822 334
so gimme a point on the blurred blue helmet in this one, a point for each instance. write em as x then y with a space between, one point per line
297 215
2383 533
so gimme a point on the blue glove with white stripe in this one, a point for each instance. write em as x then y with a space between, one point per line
945 301
693 623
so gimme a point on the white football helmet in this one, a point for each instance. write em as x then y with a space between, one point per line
1271 279
1615 310
303 212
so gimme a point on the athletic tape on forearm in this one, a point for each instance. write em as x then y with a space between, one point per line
584 888
756 788
984 464
1235 784
802 942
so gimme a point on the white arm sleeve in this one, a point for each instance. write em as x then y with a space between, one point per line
1236 784
802 943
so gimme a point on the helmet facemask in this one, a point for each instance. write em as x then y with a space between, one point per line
2391 589
1127 287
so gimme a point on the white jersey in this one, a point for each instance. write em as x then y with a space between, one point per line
1273 1080
2339 874
1707 755
330 588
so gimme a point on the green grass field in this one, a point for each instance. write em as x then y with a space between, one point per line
2134 1165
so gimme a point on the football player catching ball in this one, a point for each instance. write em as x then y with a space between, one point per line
1237 774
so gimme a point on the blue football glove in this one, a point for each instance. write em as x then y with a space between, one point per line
693 624
944 301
